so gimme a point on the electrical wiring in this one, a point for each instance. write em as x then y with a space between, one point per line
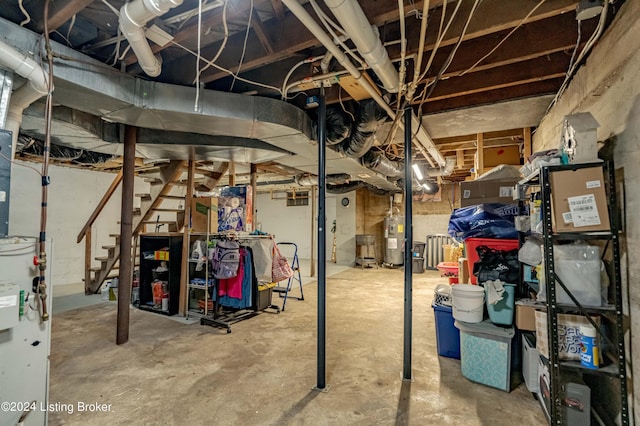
441 34
423 33
14 162
285 90
337 39
590 43
434 82
222 46
244 46
479 61
218 67
113 9
403 50
73 21
25 13
575 49
342 105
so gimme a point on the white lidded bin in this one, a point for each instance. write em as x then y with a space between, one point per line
468 302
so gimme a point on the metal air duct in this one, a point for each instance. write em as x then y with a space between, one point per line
35 87
133 17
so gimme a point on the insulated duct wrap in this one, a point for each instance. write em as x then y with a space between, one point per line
363 134
376 161
334 179
338 126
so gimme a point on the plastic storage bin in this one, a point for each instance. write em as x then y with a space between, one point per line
530 356
447 335
470 245
487 354
502 312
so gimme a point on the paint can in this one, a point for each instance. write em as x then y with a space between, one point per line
589 354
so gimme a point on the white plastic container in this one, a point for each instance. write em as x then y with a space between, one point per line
589 353
468 302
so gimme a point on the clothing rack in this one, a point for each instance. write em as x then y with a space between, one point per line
225 319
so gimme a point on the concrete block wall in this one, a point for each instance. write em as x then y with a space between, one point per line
73 195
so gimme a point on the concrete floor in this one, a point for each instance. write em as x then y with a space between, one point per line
171 373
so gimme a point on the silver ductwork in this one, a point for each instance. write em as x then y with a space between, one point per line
33 89
133 17
87 85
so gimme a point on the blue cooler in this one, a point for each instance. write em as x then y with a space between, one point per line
502 312
447 335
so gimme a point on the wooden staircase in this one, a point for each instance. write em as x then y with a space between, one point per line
150 206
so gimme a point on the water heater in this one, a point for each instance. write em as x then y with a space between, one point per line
393 240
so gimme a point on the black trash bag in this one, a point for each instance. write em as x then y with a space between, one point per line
497 265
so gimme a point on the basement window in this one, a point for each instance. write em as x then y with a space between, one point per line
297 198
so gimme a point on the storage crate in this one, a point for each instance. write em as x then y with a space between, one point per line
502 312
530 357
488 356
447 335
470 245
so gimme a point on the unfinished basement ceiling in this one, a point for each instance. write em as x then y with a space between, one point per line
502 73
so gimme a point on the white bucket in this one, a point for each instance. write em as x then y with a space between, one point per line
468 302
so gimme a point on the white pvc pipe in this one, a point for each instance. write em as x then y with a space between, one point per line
355 23
424 140
133 17
35 88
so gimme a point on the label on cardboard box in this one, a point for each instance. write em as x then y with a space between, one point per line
566 216
584 211
593 184
506 191
466 193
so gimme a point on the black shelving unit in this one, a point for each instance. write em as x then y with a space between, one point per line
168 243
613 312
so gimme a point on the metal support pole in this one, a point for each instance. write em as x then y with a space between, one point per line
322 245
254 196
408 249
126 233
314 216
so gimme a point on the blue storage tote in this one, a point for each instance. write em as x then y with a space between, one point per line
502 312
487 354
447 335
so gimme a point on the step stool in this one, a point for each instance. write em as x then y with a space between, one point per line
295 265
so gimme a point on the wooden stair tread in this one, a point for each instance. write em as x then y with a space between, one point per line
168 210
154 181
109 247
172 197
144 196
163 222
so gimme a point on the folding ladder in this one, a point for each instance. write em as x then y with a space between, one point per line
295 265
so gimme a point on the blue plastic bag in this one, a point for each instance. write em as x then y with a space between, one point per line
483 221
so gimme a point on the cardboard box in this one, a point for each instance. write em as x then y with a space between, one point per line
487 191
568 334
501 155
579 201
526 314
200 208
235 209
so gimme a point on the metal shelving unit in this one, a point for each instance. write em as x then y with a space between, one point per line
617 368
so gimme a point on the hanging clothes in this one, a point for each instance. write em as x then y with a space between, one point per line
248 283
232 287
